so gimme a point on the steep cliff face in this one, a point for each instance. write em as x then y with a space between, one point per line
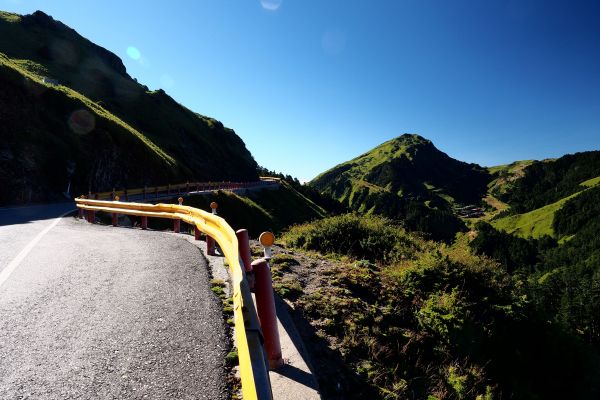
69 105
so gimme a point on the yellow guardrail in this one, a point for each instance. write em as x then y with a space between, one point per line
253 369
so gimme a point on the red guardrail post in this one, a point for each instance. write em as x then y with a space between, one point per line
265 307
244 248
80 211
196 233
177 222
144 223
210 246
91 216
210 242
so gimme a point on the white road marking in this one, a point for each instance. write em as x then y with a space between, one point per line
10 268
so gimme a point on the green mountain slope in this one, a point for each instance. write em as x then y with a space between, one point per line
126 135
545 182
554 218
504 176
407 178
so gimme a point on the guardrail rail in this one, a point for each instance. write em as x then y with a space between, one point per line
157 192
249 339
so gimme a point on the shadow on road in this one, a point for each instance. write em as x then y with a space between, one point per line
27 214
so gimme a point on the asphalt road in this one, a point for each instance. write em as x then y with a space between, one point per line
96 312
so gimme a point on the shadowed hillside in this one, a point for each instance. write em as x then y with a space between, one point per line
67 103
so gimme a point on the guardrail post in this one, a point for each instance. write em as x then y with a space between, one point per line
210 242
244 248
91 216
210 246
144 223
196 233
177 222
265 307
80 211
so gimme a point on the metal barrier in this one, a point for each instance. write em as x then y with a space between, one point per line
253 366
156 192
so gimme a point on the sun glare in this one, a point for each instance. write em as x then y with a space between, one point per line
134 53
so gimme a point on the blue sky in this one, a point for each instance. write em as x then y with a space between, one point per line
311 83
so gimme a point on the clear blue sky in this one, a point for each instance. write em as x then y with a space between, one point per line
311 83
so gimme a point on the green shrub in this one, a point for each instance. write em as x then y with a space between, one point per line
362 237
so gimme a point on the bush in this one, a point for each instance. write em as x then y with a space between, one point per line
361 237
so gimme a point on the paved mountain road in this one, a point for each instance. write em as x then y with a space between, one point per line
96 312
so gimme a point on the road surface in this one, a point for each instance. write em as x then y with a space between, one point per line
96 312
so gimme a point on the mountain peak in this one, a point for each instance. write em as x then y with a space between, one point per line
411 138
406 167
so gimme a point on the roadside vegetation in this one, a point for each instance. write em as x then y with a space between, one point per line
411 318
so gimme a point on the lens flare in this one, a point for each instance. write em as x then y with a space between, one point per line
82 122
134 53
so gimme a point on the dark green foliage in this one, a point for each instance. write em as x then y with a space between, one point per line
325 202
511 251
429 324
287 206
577 212
548 181
373 238
435 223
562 281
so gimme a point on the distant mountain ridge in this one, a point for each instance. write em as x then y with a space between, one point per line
68 104
407 178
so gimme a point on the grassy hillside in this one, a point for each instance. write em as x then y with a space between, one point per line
539 222
44 118
544 183
403 318
536 223
408 179
504 176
